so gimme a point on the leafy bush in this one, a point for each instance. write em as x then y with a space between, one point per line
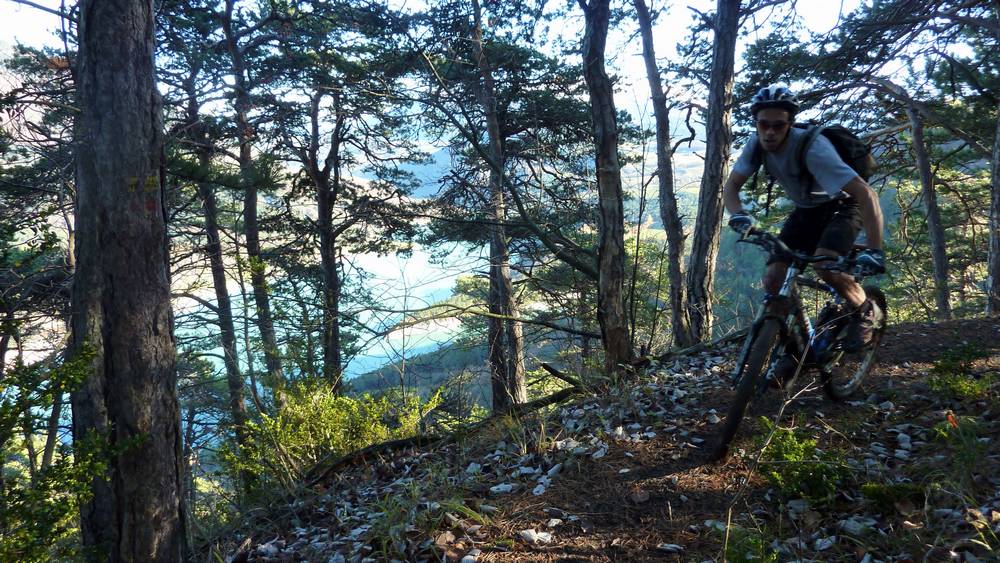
40 506
316 423
424 506
958 360
961 434
952 374
885 496
791 462
39 520
748 545
961 386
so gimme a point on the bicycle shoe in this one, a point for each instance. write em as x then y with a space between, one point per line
864 321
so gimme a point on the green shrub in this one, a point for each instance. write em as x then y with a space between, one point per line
958 360
885 496
39 519
422 506
39 513
748 545
317 423
795 467
961 386
952 374
961 434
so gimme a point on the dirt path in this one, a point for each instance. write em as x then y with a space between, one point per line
641 496
625 476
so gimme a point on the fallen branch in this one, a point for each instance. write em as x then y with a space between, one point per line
701 346
324 469
560 375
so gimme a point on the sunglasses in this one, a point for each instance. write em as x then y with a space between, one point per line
764 124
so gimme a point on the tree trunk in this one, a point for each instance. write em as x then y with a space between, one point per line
705 247
248 184
258 269
332 363
121 292
190 457
504 339
935 229
6 330
28 431
993 265
611 224
213 249
327 181
247 347
669 215
227 329
52 433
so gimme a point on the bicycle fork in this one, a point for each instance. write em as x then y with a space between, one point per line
796 328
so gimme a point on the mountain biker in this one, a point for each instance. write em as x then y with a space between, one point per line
832 203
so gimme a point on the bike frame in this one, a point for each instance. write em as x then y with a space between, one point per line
786 307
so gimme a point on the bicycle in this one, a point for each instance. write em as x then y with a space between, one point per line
782 341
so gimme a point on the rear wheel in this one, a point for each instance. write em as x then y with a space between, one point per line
844 372
762 347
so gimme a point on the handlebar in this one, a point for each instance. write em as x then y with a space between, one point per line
776 247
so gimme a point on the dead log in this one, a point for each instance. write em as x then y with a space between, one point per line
325 468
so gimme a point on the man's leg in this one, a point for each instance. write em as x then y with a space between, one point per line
785 366
844 283
837 239
866 315
774 276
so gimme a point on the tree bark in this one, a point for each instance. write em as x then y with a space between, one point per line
611 224
213 249
248 184
935 229
52 432
6 330
227 329
327 183
705 246
993 266
993 259
190 458
669 215
505 341
121 292
28 431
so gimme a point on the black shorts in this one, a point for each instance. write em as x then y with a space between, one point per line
833 225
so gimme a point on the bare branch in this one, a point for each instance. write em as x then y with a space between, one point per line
58 13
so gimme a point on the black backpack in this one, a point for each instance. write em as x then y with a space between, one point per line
852 150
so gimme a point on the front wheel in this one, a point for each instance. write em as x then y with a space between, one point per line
764 342
844 372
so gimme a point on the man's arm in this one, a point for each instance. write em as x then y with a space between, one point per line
731 193
871 210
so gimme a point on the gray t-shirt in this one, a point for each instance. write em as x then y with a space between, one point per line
829 172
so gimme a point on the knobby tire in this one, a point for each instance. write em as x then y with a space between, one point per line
849 370
765 341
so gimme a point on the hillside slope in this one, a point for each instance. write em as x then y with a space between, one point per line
625 476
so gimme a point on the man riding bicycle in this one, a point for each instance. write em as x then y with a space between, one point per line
832 203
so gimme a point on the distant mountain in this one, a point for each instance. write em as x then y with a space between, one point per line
425 372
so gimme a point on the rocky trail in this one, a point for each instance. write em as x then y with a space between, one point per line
908 470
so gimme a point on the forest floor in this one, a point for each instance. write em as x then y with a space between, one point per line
907 471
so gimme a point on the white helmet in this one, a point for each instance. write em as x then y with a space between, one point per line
774 96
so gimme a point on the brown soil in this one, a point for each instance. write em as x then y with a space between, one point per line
649 492
671 490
